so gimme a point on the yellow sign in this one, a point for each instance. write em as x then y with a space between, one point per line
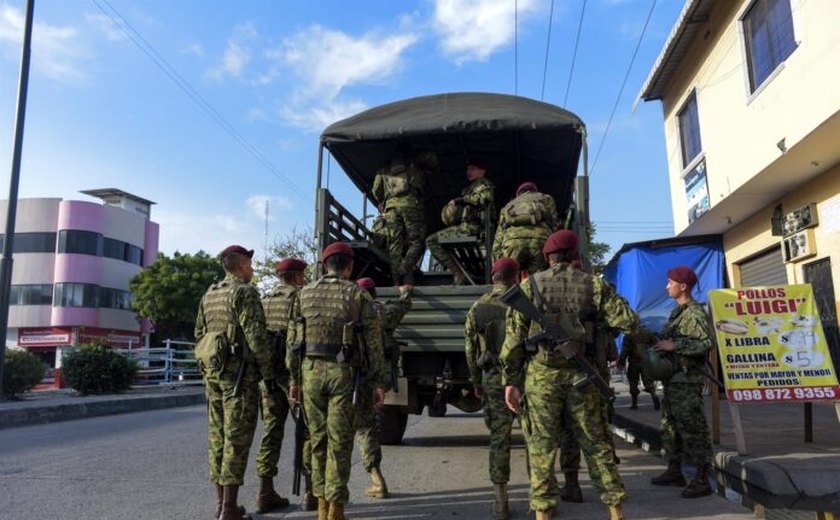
772 346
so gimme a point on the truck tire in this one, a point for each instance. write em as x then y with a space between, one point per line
392 423
437 408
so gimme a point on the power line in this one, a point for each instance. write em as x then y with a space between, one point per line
141 43
574 53
621 90
547 45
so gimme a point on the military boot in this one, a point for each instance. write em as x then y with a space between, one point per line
634 402
670 477
323 508
571 489
656 403
308 502
500 501
616 512
378 488
336 511
548 514
458 276
220 496
268 499
699 485
230 509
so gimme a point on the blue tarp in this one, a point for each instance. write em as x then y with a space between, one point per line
639 272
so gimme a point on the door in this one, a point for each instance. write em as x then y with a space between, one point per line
818 274
766 268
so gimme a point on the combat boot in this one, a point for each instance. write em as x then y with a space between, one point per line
230 509
634 402
458 276
500 501
656 403
616 512
268 499
548 514
336 511
670 477
220 496
378 488
699 485
308 502
323 508
571 489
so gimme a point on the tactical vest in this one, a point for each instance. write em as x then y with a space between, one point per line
528 209
223 338
218 309
401 178
277 306
489 319
327 307
566 296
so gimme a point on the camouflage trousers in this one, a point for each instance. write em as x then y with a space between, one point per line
433 240
328 405
635 374
685 434
526 251
569 445
547 402
499 420
367 430
405 230
231 421
274 408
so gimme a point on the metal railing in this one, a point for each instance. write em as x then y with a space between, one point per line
173 363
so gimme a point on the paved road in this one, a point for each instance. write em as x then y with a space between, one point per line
152 465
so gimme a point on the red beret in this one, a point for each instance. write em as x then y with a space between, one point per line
683 274
560 241
337 248
478 163
526 186
239 250
366 283
502 264
290 264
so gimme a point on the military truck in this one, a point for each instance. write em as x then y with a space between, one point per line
520 140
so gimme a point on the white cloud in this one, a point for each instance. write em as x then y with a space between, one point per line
256 203
107 26
472 30
56 51
237 53
195 49
314 117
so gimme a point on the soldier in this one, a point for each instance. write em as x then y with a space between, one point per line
464 216
274 403
484 333
569 298
390 314
398 190
632 352
524 224
685 434
231 322
333 339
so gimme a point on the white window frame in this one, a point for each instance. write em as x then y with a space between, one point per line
751 93
686 167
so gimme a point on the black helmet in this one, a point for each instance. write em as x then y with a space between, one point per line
658 365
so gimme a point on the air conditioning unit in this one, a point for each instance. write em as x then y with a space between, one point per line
799 219
799 246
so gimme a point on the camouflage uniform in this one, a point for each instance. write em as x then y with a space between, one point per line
548 379
233 419
322 316
398 188
524 224
478 195
685 434
632 352
389 315
483 335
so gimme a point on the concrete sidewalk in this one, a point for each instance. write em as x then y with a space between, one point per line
781 470
65 405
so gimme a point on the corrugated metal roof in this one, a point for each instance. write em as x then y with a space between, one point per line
694 14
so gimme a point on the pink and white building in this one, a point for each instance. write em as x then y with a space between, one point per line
73 261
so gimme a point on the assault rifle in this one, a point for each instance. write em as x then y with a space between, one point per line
360 372
555 336
301 433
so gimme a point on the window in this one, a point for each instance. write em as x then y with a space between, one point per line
80 242
768 30
31 294
689 130
76 295
120 250
114 299
31 242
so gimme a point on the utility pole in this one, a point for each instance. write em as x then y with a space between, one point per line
11 212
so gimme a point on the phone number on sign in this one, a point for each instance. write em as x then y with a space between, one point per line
808 393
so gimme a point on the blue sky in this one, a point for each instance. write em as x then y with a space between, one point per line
102 113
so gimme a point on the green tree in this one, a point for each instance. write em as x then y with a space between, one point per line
296 243
168 291
596 251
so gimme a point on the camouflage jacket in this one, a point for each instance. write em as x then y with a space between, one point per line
538 209
611 310
415 171
251 330
278 307
478 195
388 314
472 336
688 326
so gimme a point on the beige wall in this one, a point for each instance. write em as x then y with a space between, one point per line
740 131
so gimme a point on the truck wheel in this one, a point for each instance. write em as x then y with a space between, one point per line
437 408
392 423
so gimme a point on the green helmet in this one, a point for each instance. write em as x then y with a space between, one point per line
451 214
658 365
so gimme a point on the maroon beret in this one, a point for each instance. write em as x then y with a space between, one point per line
290 264
337 248
239 250
683 274
478 163
577 264
560 241
366 283
502 264
526 186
